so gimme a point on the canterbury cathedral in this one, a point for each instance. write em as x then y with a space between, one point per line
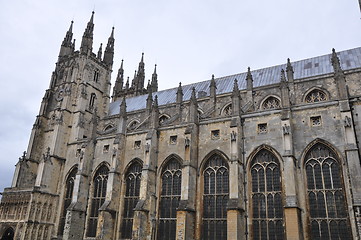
266 154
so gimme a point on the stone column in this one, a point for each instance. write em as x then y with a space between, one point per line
292 212
186 209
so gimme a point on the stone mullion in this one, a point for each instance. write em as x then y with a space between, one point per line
292 212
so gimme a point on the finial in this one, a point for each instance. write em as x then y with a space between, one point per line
155 101
335 61
71 26
92 17
235 86
100 52
155 68
142 59
193 96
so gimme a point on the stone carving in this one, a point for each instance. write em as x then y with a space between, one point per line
233 136
147 147
81 121
347 121
23 157
46 156
187 142
286 129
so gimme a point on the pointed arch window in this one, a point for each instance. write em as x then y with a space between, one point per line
215 198
327 207
266 197
271 103
68 194
97 199
316 95
131 197
169 200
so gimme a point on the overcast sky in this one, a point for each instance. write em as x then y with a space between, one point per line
189 40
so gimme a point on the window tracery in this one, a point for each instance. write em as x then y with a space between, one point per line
132 180
266 197
169 200
215 198
271 103
228 110
68 194
316 95
326 195
97 199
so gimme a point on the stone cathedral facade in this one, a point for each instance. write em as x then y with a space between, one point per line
265 154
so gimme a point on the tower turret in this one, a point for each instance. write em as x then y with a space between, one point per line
140 74
87 40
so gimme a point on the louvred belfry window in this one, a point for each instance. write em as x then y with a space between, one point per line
169 200
131 197
215 198
98 198
69 187
266 197
328 216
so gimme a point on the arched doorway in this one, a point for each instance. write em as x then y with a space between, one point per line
8 234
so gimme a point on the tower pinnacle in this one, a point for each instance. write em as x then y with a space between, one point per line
87 40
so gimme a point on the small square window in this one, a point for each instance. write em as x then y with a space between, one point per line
215 134
315 121
262 128
173 140
106 148
137 144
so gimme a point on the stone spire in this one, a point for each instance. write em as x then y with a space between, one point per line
67 46
141 74
127 84
118 86
336 62
236 105
249 80
212 87
87 40
193 107
285 95
154 83
289 70
235 91
339 76
180 93
109 50
149 100
100 51
123 108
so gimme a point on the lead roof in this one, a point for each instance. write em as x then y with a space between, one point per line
306 68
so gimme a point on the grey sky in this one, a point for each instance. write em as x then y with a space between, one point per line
189 40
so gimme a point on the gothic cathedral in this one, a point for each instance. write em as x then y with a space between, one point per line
264 154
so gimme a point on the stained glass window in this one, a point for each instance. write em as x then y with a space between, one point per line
215 198
326 195
69 186
97 199
169 200
131 197
266 197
